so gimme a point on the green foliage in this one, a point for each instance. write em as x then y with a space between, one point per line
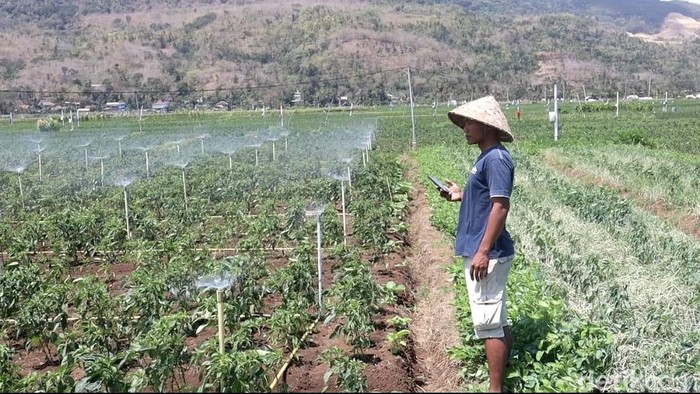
17 284
238 372
9 371
48 124
393 290
349 373
632 137
399 322
164 348
354 296
398 341
290 321
43 317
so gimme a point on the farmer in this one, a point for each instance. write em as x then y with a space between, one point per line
481 237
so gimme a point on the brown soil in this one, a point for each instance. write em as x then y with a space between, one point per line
425 366
677 29
420 266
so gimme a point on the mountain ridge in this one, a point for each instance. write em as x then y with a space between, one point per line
264 51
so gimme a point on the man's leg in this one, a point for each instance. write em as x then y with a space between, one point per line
498 340
497 353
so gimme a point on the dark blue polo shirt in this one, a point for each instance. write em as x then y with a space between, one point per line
492 176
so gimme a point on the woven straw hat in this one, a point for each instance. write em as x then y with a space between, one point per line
485 110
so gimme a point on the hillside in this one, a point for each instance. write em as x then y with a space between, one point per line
252 52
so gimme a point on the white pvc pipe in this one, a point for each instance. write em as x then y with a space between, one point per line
126 215
21 192
220 313
320 264
345 232
148 173
184 187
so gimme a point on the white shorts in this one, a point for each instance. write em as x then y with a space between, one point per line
487 298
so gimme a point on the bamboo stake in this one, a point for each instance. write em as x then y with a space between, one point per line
291 355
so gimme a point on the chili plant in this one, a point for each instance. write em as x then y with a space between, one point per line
43 316
9 370
237 372
349 373
162 350
100 318
289 322
103 371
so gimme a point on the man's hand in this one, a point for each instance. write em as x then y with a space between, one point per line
454 194
479 267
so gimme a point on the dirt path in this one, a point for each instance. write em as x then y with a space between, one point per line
434 326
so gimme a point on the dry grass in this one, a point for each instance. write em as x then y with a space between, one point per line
434 326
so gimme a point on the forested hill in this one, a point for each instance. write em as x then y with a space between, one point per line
264 51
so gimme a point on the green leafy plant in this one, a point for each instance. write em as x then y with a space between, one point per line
399 322
398 341
237 372
9 371
393 290
162 350
349 373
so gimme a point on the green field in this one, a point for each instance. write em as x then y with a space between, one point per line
604 294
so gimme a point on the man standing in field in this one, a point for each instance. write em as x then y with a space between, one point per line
481 236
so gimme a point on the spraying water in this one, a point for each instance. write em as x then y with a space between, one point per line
85 146
38 150
119 139
182 165
219 283
256 146
19 169
201 139
102 167
347 161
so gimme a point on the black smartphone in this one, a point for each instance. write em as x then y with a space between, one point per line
439 184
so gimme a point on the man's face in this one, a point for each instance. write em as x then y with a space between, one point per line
473 131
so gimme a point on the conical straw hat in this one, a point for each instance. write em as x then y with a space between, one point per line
485 110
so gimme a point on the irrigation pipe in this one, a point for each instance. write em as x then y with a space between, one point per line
291 355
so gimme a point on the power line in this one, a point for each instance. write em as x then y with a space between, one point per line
323 81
